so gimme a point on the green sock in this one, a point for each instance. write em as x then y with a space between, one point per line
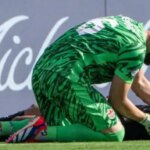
9 127
77 132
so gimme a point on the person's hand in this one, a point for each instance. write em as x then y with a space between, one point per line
146 123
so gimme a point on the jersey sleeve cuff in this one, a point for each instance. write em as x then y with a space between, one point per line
123 77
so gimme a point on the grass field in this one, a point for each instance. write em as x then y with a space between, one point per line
126 145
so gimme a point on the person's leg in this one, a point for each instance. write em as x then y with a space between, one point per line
59 98
87 119
79 114
78 133
36 131
23 114
9 127
12 116
91 109
32 110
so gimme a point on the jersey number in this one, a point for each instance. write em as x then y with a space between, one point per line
95 25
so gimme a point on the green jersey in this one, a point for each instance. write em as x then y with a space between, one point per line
94 51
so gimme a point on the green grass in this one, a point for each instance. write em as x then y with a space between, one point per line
126 145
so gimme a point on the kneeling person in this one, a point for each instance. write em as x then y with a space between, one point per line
109 49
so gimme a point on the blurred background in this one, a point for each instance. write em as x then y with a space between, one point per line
27 27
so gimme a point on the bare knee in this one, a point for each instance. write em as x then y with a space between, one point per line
115 133
115 128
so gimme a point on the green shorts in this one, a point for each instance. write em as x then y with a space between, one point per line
63 102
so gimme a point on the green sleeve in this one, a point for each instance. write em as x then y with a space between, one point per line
130 60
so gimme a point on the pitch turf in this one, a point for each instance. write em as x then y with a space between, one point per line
126 145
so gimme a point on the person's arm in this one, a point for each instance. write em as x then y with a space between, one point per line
119 100
141 87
